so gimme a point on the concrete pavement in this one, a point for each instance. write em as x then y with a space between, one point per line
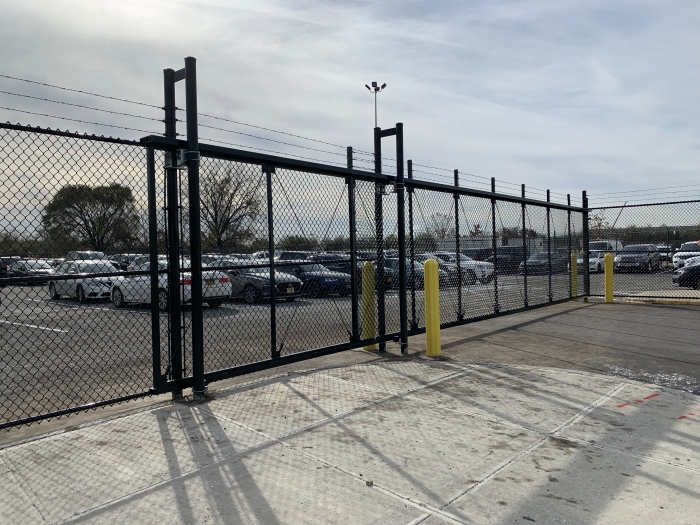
502 429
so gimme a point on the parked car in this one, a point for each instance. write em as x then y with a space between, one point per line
292 256
32 269
637 258
606 246
54 262
449 268
318 281
138 261
86 256
665 252
123 260
478 254
687 276
253 285
6 262
686 251
73 279
216 286
471 270
538 263
392 267
596 261
390 279
508 258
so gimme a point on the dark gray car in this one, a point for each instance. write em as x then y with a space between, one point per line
638 258
253 285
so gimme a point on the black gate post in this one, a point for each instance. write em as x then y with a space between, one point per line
412 249
586 241
192 157
379 240
525 248
568 221
173 227
549 252
458 255
275 352
153 258
496 307
352 215
401 218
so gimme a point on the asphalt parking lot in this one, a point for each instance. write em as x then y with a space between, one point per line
58 353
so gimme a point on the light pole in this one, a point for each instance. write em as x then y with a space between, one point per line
375 89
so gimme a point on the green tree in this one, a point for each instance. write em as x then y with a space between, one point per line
298 242
98 217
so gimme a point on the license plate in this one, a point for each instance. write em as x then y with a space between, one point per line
210 282
290 289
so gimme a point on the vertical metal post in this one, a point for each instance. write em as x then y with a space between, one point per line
401 218
153 258
458 254
586 241
568 227
198 388
496 307
275 353
379 240
355 335
173 227
549 253
412 249
525 247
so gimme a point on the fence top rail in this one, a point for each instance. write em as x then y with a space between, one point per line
642 205
73 134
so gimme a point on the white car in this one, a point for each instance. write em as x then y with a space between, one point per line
73 279
692 261
216 286
686 251
596 261
471 269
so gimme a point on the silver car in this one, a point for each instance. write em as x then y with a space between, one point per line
74 280
216 286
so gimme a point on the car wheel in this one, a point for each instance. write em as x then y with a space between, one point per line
470 277
163 300
118 298
52 291
80 294
250 294
313 289
215 303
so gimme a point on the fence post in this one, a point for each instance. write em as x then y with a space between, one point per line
525 248
401 218
412 248
460 312
496 308
572 266
586 241
549 253
432 308
369 320
198 388
609 290
153 258
379 239
275 353
173 227
355 335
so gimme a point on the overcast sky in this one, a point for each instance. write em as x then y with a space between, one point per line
567 95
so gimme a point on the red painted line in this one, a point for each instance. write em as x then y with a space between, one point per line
623 405
651 395
690 414
639 401
682 417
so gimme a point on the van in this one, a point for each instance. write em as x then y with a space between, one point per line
605 246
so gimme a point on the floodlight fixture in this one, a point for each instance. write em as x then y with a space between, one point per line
374 90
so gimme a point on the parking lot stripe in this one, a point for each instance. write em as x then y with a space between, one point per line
34 326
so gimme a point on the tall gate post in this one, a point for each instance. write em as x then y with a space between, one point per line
401 218
173 297
568 228
458 255
525 247
550 297
153 258
496 308
352 216
274 351
412 248
198 388
586 241
379 240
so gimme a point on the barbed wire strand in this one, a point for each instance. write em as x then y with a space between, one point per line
642 191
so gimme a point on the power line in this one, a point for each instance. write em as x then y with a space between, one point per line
81 106
81 121
81 92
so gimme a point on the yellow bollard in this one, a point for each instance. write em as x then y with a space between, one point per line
432 308
608 259
369 318
574 273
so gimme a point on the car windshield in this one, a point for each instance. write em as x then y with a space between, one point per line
38 265
598 245
636 248
95 267
690 247
243 256
315 268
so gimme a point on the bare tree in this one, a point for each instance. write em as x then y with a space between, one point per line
441 225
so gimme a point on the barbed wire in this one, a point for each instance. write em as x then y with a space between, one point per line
642 191
80 121
664 193
81 92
